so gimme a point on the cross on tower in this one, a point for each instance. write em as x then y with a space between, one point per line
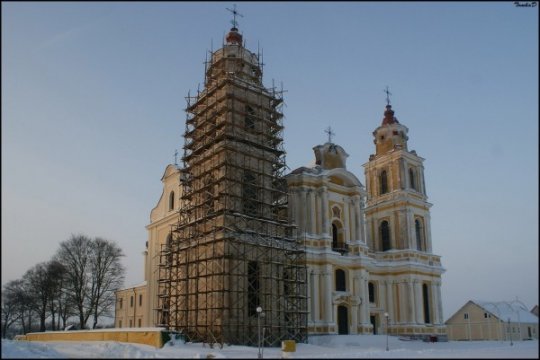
175 157
234 12
330 134
388 93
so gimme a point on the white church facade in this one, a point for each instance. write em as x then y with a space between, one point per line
368 259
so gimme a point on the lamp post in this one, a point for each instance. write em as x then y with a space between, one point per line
510 331
386 316
259 314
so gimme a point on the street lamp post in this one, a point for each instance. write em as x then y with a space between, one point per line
510 331
259 314
386 316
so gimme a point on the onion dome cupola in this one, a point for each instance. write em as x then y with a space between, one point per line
330 156
234 60
391 135
234 37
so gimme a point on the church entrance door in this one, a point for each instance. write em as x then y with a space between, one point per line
343 320
373 320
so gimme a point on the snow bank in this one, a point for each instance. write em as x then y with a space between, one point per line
320 347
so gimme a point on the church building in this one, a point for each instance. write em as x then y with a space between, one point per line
235 242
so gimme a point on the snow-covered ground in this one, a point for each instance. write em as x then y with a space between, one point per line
322 347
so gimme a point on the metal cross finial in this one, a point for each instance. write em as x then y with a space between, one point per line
234 12
388 93
330 134
175 157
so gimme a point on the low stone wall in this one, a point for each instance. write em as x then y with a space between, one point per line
154 337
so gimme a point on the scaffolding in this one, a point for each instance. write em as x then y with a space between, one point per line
233 248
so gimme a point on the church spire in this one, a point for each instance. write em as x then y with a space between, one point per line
389 117
234 37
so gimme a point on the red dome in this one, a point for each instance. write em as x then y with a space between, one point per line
234 37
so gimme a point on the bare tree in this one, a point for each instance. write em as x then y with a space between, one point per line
94 273
107 275
19 293
75 254
10 313
39 281
56 273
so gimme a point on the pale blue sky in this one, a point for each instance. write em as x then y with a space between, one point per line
93 99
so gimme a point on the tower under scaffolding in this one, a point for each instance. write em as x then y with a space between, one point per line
233 248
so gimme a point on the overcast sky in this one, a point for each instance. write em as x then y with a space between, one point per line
93 99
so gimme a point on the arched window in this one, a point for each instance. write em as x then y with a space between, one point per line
286 284
171 200
371 291
412 180
341 284
334 236
249 193
168 244
383 181
385 236
253 275
208 195
425 294
249 122
338 243
419 229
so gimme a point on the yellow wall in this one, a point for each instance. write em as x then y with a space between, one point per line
125 312
149 337
479 327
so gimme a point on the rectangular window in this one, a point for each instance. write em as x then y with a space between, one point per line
253 287
485 315
140 300
131 301
119 323
140 322
130 324
121 303
466 316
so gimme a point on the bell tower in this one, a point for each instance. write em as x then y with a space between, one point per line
398 234
233 261
397 208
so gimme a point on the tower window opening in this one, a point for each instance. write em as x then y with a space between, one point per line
249 122
168 242
371 291
253 300
412 179
341 284
419 229
171 200
249 193
334 236
427 311
208 195
385 236
286 285
383 180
